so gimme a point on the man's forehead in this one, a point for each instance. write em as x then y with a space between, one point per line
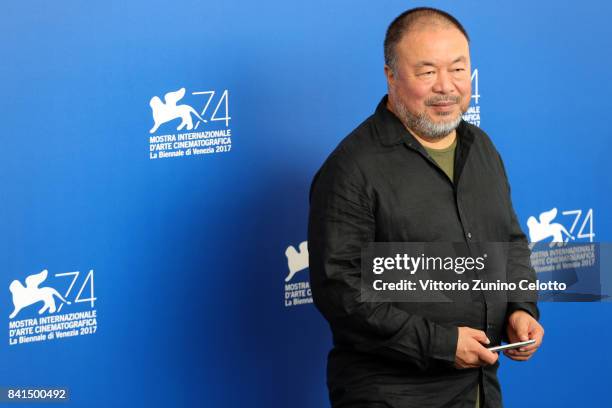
434 44
429 22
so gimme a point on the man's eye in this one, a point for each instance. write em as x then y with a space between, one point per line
426 73
459 69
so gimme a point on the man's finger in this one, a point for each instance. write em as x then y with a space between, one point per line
465 364
531 347
521 328
536 334
487 356
518 358
480 336
516 353
523 332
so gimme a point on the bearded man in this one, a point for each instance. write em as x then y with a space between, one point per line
414 171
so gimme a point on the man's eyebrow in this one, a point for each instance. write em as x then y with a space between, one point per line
424 64
431 64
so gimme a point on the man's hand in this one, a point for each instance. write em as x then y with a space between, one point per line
522 327
470 350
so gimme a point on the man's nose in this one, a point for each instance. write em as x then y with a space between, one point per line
444 83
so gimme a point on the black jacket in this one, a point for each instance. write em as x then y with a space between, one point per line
380 185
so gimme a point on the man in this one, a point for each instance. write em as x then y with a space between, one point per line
416 172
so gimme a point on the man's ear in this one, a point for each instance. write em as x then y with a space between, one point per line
390 75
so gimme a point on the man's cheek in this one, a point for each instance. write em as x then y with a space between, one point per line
466 97
465 89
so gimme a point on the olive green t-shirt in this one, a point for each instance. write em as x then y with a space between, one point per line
444 157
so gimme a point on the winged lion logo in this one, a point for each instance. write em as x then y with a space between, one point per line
29 294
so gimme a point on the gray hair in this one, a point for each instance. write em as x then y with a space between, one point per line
406 21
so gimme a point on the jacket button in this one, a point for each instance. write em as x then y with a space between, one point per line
469 235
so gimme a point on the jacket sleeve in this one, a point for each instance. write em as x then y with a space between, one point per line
519 258
341 223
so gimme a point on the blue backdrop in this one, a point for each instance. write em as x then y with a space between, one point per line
181 252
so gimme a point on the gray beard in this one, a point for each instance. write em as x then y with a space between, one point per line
423 126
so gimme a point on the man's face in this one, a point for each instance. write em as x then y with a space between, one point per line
431 85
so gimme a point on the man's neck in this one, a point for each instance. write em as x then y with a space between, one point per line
438 143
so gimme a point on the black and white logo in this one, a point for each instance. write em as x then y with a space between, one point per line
46 309
197 126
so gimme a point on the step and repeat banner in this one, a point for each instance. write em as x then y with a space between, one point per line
155 170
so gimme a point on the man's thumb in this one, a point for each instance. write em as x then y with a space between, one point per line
522 330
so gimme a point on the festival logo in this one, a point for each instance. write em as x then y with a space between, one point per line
167 111
31 294
473 113
298 291
543 228
200 128
39 307
296 261
563 249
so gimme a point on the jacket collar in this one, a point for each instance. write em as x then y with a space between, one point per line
391 131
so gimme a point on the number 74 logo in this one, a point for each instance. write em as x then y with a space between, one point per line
89 281
543 228
587 222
